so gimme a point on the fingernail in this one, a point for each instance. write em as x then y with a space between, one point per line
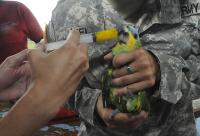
115 82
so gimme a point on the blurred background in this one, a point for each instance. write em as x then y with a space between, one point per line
42 10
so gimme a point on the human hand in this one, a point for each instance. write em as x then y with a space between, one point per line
59 72
141 72
14 76
55 78
120 120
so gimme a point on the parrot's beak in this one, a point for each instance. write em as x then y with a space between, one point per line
123 37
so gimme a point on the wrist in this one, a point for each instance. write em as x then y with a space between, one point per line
99 106
98 113
157 73
40 96
29 111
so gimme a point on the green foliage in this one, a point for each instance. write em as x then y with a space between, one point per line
31 44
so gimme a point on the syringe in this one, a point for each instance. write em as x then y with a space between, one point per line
100 36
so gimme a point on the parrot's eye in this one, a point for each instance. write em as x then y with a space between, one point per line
123 37
135 36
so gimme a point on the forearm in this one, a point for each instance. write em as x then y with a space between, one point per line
29 114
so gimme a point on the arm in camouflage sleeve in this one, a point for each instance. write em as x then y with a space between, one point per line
179 63
176 73
194 77
171 76
85 104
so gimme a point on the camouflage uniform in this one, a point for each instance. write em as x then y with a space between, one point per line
168 33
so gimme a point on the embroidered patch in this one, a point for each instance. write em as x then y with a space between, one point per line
82 30
190 9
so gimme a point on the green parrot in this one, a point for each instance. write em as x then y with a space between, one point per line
128 40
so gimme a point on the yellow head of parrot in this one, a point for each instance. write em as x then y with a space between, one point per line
129 44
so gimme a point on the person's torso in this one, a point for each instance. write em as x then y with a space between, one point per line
168 118
12 30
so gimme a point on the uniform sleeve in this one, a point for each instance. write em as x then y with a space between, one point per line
171 77
193 76
86 100
176 75
32 27
177 55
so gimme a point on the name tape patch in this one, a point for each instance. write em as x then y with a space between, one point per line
190 9
82 30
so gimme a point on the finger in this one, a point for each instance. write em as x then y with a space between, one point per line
125 120
128 79
142 116
141 85
73 39
134 121
24 70
123 70
19 58
14 91
34 56
108 57
41 46
84 48
45 35
133 88
120 72
125 58
107 114
122 117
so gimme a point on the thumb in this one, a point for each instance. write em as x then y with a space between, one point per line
34 56
42 46
73 39
24 70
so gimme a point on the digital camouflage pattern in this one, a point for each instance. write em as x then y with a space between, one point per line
172 35
190 11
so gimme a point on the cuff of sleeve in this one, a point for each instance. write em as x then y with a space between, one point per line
86 103
171 77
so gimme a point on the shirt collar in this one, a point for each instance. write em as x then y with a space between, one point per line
161 12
